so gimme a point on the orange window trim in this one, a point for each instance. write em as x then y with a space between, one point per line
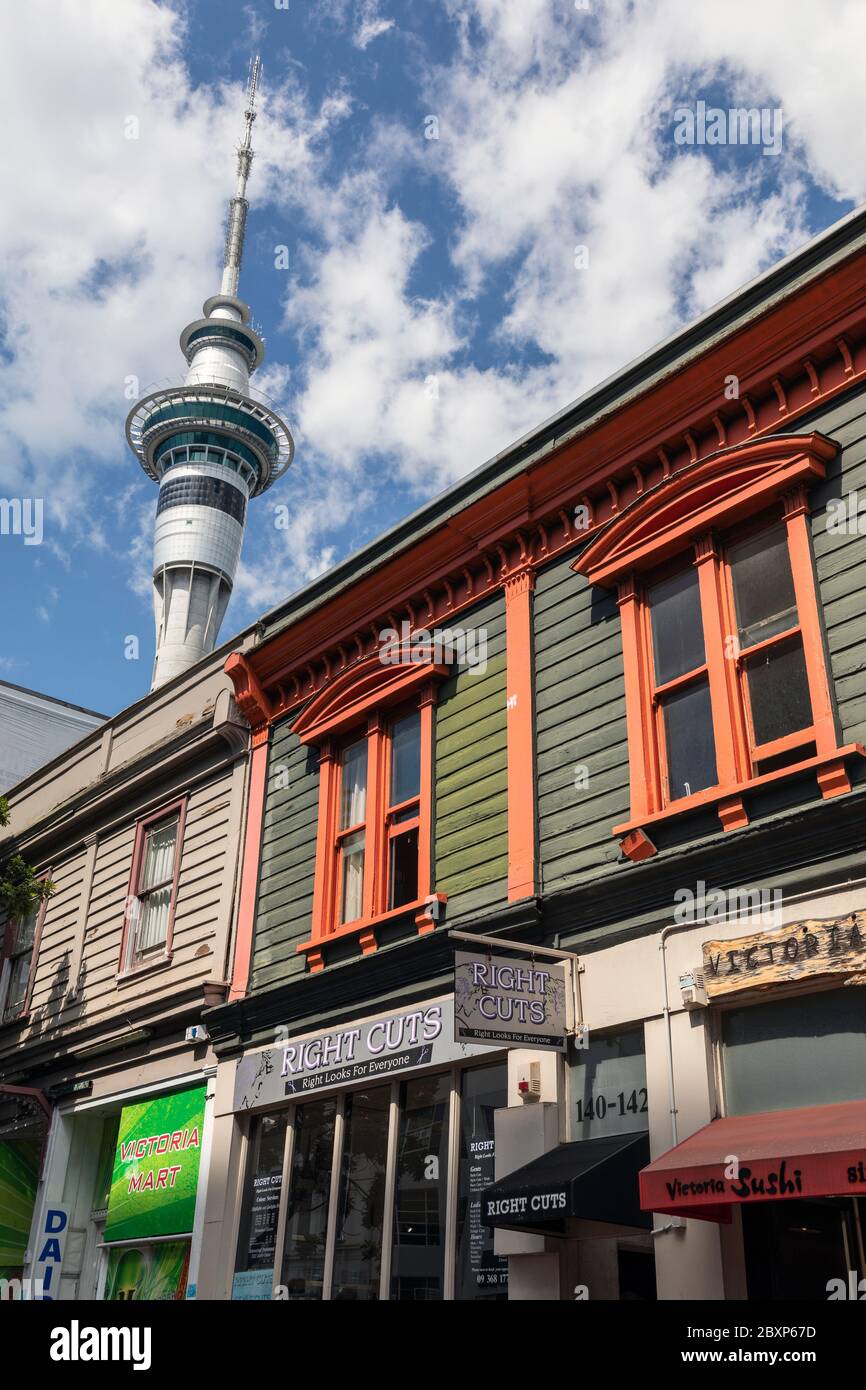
520 747
680 515
362 702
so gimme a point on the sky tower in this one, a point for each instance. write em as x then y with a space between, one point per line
211 446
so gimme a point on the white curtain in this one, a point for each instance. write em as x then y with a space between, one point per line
353 876
353 809
158 867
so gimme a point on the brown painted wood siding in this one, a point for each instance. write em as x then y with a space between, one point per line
207 856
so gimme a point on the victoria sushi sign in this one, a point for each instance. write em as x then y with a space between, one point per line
512 1003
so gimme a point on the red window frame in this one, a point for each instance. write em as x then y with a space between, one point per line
9 953
753 487
126 964
365 702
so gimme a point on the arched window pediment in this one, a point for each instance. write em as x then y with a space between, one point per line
723 489
386 678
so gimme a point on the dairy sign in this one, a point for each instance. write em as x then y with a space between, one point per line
369 1049
509 1002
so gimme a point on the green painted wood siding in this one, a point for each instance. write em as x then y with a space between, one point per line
581 747
471 811
840 562
288 859
579 685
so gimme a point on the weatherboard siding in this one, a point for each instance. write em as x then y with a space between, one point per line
840 562
470 774
284 910
208 856
581 746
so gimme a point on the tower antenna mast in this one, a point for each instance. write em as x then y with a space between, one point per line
212 447
238 207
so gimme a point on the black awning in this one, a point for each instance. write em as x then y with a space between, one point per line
590 1179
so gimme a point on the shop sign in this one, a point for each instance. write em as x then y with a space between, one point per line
786 955
252 1285
765 1179
50 1245
156 1162
508 1001
528 1207
371 1049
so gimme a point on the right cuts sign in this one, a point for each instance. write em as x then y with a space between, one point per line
512 1003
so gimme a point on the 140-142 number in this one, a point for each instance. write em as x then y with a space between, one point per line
598 1107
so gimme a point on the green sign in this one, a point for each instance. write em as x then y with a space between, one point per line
19 1170
155 1177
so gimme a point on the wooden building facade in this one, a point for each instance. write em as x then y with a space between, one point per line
613 677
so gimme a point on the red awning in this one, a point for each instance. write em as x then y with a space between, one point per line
775 1156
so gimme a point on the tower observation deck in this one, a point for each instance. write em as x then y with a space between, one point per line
211 444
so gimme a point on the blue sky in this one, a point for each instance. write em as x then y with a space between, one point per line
433 308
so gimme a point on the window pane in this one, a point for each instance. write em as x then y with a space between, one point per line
353 877
403 878
309 1195
763 586
353 807
418 1259
691 748
480 1273
158 864
25 928
358 1252
405 758
153 920
805 1051
608 1086
260 1207
778 691
678 634
17 992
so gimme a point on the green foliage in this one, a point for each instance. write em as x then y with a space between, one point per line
19 886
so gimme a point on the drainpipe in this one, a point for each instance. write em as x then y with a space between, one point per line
666 1014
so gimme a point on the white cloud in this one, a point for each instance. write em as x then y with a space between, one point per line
370 25
553 133
109 243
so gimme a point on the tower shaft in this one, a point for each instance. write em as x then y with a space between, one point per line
211 446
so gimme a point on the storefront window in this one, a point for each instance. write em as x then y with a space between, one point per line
155 1273
309 1195
809 1050
361 1205
254 1267
418 1258
608 1086
480 1273
20 1150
